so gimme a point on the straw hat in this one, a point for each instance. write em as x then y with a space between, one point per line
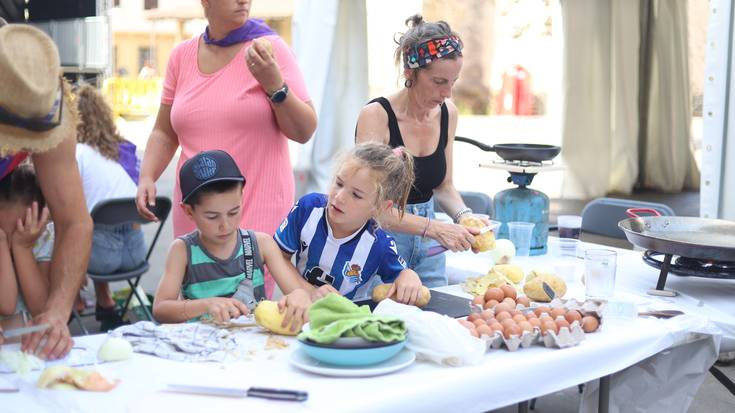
32 92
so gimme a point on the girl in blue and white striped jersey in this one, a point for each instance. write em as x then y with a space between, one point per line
337 240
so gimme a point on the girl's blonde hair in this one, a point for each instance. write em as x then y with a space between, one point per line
392 168
96 127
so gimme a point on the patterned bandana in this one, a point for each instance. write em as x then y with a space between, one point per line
434 49
253 28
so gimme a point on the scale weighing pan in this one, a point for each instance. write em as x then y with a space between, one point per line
442 303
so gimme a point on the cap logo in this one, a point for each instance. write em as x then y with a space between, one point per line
205 168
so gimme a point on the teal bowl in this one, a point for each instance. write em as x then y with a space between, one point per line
352 356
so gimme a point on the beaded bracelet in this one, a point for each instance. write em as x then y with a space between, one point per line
461 212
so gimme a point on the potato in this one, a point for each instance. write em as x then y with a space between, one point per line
380 293
482 242
535 290
265 43
115 349
514 273
268 317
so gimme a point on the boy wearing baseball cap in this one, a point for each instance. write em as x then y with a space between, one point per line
217 270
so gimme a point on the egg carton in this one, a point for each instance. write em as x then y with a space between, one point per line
566 337
587 307
497 340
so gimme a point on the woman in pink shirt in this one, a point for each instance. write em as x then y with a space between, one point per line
226 90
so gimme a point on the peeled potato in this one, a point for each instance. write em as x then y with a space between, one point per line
512 272
535 291
380 293
115 349
268 317
482 242
265 43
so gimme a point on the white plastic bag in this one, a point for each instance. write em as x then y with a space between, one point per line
435 337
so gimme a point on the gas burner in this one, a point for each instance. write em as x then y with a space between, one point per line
525 167
691 267
523 163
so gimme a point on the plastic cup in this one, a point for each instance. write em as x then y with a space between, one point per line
567 247
599 273
520 235
570 226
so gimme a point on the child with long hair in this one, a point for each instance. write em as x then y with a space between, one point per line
337 238
26 243
109 169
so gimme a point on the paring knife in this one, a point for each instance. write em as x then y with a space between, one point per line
438 249
548 290
23 330
262 392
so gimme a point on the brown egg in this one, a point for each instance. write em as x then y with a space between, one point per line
479 322
474 333
478 300
503 307
490 304
509 301
484 330
467 324
513 330
515 312
572 316
561 323
494 293
548 326
508 323
529 314
518 318
590 324
525 326
535 322
545 317
540 310
557 311
487 314
497 327
503 315
473 316
509 291
523 300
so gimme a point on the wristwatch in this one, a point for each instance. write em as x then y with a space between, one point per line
279 95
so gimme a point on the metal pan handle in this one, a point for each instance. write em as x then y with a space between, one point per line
633 212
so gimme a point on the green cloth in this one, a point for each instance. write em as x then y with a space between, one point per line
335 316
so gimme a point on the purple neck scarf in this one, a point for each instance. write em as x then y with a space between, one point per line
252 29
129 160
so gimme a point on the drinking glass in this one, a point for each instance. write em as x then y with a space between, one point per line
599 273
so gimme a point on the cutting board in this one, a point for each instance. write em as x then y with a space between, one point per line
440 302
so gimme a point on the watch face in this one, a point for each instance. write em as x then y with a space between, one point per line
280 94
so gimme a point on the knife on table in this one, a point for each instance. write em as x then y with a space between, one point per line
262 392
23 330
438 249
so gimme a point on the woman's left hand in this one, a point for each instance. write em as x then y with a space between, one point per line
30 228
295 306
406 288
264 67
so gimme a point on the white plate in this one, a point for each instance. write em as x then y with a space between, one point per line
401 360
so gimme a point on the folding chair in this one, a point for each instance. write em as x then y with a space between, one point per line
601 216
479 202
123 211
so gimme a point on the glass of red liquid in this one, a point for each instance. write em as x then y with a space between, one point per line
570 228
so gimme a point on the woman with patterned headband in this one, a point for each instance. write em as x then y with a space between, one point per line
423 119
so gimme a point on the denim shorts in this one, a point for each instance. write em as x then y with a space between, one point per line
412 248
116 248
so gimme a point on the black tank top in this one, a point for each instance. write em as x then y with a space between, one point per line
431 169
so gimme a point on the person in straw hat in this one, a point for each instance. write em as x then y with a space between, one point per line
38 120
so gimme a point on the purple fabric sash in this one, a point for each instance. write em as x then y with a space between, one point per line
252 29
129 160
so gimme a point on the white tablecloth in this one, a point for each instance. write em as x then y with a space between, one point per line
710 298
503 378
